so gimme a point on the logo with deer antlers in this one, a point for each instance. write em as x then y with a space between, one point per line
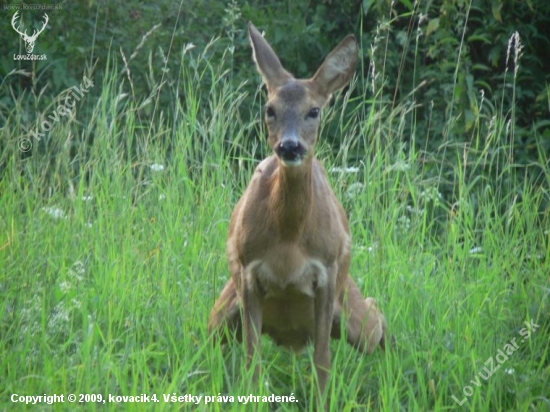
29 40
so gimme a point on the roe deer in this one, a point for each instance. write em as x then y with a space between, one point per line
289 239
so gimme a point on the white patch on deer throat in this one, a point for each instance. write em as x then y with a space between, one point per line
291 163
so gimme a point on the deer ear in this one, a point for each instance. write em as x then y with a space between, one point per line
267 62
339 66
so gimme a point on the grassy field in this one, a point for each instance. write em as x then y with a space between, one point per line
112 252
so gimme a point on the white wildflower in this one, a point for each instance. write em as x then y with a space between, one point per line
156 167
354 189
55 212
337 169
414 210
65 286
400 166
59 320
476 250
404 222
431 194
77 271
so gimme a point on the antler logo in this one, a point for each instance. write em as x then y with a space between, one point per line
29 40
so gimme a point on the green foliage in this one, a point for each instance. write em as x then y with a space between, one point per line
455 61
465 61
113 225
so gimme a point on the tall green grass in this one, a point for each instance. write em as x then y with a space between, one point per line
112 250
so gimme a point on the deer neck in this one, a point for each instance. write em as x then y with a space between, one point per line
291 199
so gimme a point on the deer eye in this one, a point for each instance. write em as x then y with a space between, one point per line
313 113
269 112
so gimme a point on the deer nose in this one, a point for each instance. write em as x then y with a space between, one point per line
290 150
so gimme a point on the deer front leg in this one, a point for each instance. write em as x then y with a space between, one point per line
252 319
324 306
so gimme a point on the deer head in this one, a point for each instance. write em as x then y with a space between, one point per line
293 109
29 40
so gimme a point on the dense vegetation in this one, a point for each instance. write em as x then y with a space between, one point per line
112 225
453 66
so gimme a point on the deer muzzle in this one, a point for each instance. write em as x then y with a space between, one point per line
290 150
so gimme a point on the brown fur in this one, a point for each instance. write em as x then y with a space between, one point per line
289 239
